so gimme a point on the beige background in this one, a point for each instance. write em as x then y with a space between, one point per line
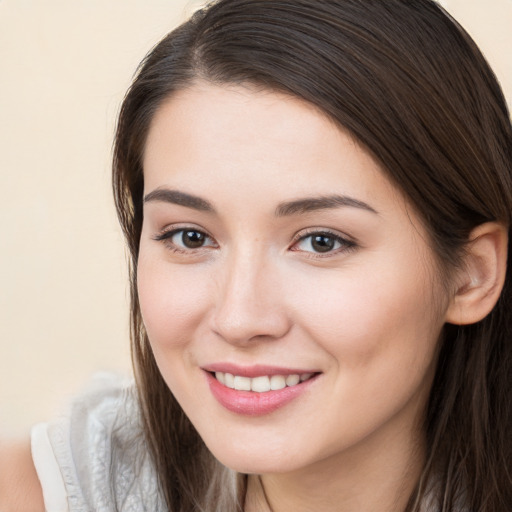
64 67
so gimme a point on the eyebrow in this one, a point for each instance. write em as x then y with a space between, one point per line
310 204
298 206
180 198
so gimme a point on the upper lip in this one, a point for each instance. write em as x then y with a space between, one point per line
256 370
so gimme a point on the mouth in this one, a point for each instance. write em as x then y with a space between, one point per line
257 390
262 383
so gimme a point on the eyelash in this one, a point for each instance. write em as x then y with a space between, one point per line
345 244
167 235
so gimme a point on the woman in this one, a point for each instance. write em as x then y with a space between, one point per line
316 196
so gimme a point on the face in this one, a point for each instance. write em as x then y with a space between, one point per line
288 290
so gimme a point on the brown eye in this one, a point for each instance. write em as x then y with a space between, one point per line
185 239
323 242
192 239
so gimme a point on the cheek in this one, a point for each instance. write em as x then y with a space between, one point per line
170 302
382 341
380 322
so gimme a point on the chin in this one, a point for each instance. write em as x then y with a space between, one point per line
255 459
257 467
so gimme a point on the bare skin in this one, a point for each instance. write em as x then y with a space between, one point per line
393 470
20 489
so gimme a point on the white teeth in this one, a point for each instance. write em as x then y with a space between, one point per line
242 383
277 382
292 380
260 384
229 380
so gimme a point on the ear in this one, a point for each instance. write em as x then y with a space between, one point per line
480 280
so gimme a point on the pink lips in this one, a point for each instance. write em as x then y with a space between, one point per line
250 403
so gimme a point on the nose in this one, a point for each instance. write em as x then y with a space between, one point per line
249 302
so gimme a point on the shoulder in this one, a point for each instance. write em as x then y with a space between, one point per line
100 449
19 485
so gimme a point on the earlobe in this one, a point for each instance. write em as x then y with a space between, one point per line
482 277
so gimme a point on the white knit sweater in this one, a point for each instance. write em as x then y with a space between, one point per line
94 458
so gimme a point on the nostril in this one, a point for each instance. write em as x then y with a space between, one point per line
250 323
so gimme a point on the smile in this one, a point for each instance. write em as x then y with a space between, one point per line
261 384
259 390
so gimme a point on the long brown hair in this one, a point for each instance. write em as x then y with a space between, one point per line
409 83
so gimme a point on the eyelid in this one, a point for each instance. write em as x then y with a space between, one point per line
173 228
347 242
168 232
303 233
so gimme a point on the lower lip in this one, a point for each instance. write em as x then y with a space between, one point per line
251 403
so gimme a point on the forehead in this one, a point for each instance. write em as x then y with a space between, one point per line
243 116
225 134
